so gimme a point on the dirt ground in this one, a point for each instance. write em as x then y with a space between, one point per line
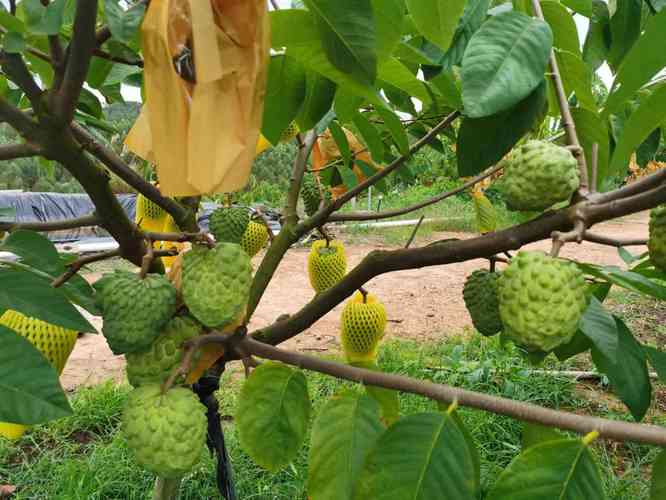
421 303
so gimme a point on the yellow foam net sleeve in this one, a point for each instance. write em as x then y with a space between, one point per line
203 135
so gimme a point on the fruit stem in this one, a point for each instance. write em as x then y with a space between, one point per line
166 489
364 292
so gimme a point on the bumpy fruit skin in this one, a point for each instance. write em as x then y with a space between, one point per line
134 309
326 265
539 174
165 433
311 195
363 325
254 238
657 241
480 294
541 300
154 365
216 283
229 224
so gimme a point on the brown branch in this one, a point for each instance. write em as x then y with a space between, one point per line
595 167
305 146
79 263
79 53
176 237
567 119
17 119
361 216
110 57
614 242
147 260
414 231
57 225
16 70
648 182
13 151
527 412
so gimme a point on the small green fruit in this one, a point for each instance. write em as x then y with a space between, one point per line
480 294
657 241
229 224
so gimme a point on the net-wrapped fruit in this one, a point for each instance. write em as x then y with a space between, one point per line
541 300
312 195
216 283
539 174
480 294
327 264
657 241
254 238
154 365
229 224
166 433
54 342
134 309
149 216
363 324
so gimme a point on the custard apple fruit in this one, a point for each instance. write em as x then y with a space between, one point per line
134 309
254 238
657 241
480 294
311 194
229 224
541 300
216 283
326 264
539 174
363 324
154 365
166 433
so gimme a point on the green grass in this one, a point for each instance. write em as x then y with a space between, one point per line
84 457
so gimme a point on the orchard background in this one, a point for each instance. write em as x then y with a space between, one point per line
377 384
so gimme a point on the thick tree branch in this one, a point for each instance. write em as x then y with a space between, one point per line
360 216
13 151
56 225
184 217
17 119
16 70
527 412
79 53
639 186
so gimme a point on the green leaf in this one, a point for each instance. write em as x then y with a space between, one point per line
33 296
421 457
368 171
10 22
648 116
387 398
43 20
579 343
13 42
582 7
119 73
389 19
598 325
395 73
471 20
35 250
343 434
504 62
554 470
625 27
124 24
319 95
534 434
88 103
395 128
658 485
598 39
346 105
98 71
565 34
29 387
340 139
626 279
476 153
642 62
285 92
648 149
592 129
348 35
348 177
629 375
657 359
273 414
371 137
436 19
446 87
41 67
577 78
486 215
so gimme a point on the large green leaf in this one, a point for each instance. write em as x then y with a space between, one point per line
582 7
554 470
285 93
648 149
648 116
446 88
319 95
348 36
10 22
395 128
98 71
273 414
29 388
642 62
576 77
124 24
421 457
504 62
392 71
436 19
626 279
625 26
598 325
43 20
534 434
343 434
629 375
387 398
389 17
471 20
658 485
592 129
371 137
476 153
598 39
13 42
34 250
657 359
346 105
565 34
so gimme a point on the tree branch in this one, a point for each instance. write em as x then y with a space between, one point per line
79 53
305 146
527 412
76 266
16 70
109 57
613 242
17 119
360 216
57 225
13 151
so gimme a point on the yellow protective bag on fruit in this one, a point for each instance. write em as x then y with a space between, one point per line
202 134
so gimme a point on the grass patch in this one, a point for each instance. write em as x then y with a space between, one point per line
84 457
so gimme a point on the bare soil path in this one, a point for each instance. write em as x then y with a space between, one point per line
421 303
